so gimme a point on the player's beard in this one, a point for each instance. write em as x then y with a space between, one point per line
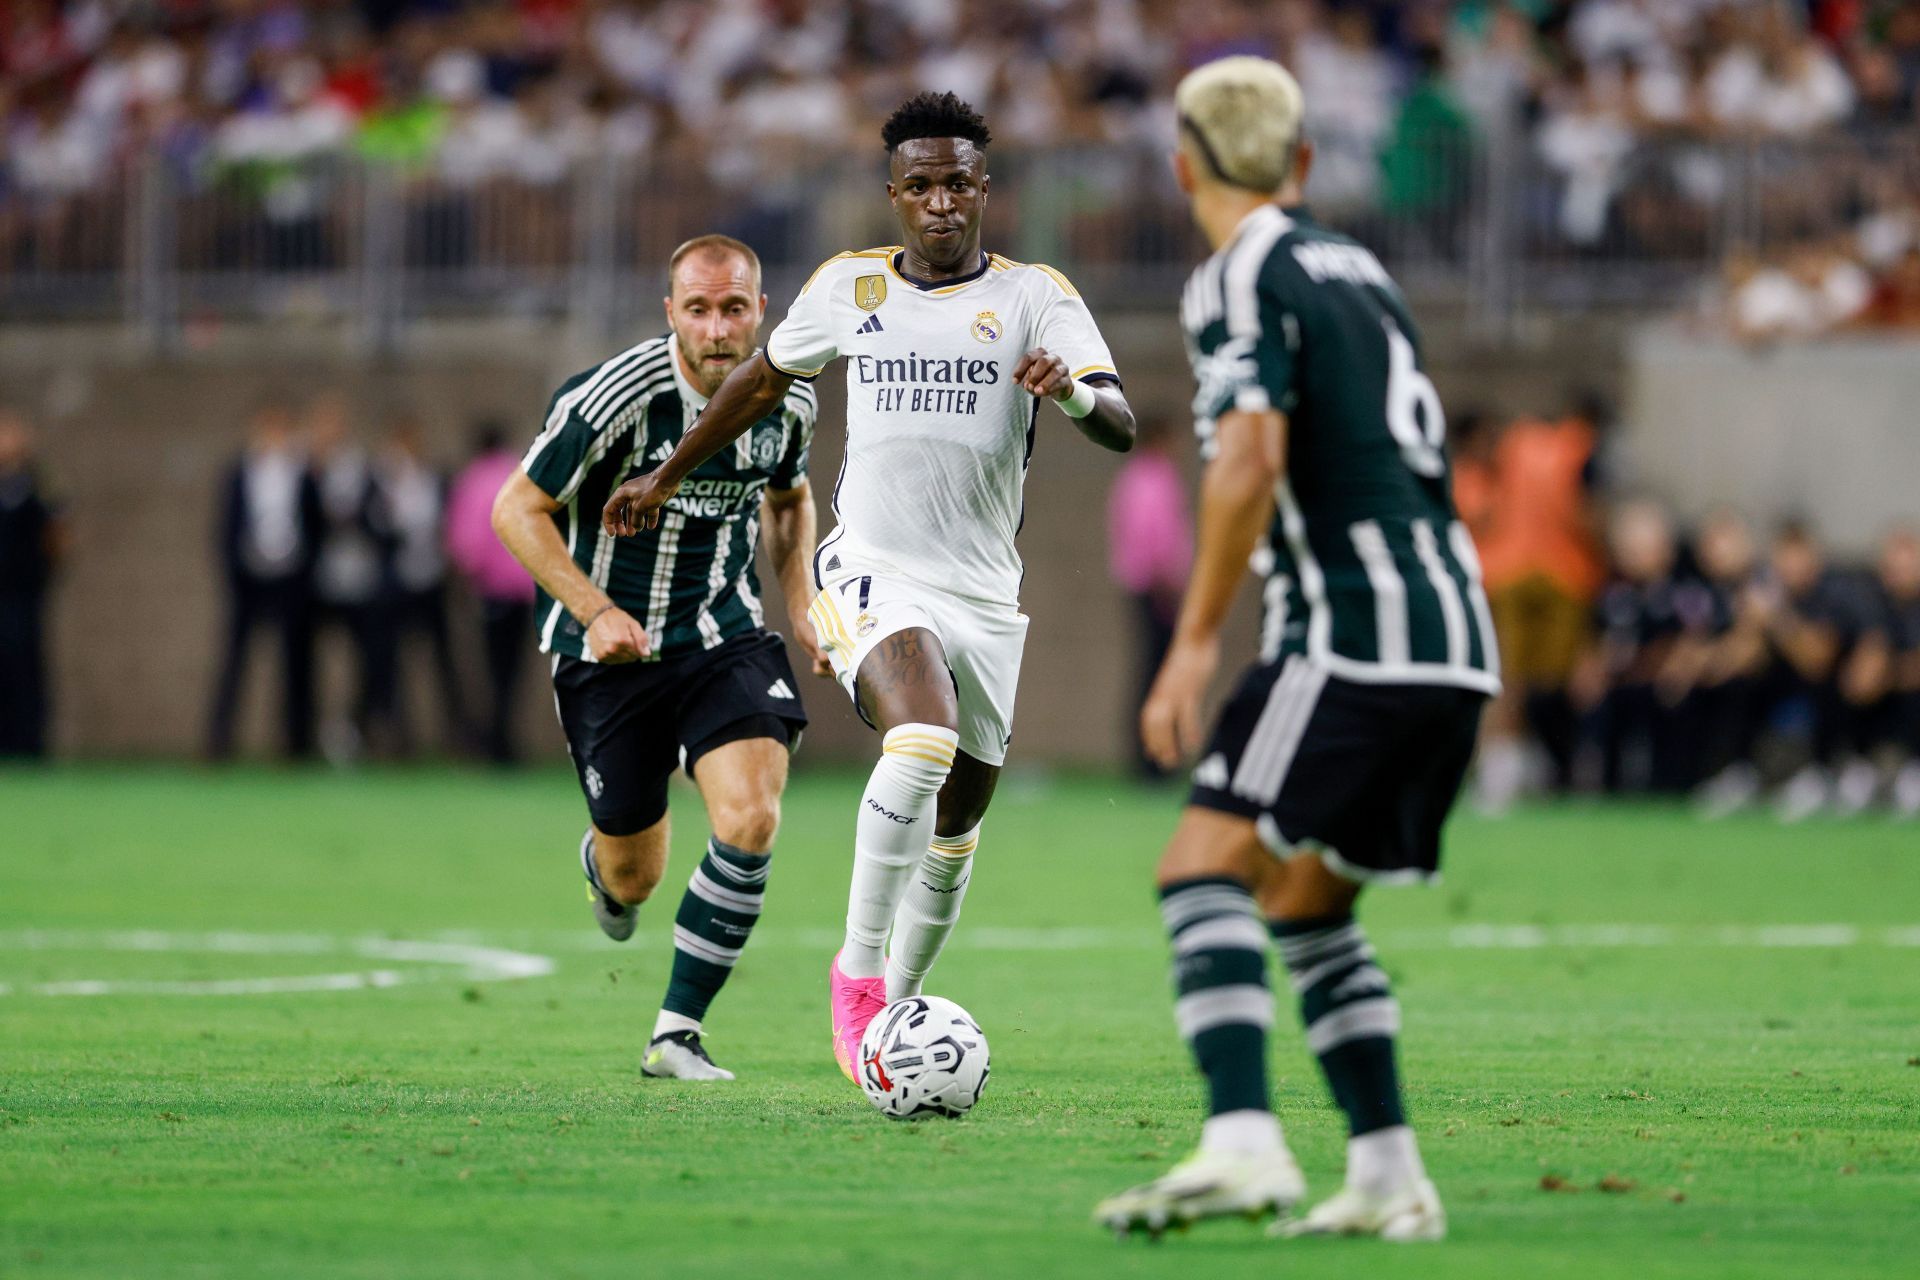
708 376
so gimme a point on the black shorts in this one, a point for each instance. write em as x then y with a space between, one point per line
1363 773
629 725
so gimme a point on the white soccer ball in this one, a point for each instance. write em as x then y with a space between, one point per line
922 1056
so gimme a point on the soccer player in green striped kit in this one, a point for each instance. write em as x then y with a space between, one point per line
661 655
1338 756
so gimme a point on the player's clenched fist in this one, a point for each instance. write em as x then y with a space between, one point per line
1043 374
636 505
615 636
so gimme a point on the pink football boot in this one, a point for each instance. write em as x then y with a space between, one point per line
856 1002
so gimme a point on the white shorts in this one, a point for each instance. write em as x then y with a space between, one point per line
983 642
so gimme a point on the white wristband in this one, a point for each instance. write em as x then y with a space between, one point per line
1081 402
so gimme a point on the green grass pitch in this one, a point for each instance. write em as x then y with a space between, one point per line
1626 1057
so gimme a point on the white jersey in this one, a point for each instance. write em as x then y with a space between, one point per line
938 433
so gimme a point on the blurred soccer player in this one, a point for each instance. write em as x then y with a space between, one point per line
950 353
660 651
1337 758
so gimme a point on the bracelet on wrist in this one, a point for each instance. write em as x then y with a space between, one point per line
594 617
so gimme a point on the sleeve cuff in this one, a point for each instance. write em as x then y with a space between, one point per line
795 374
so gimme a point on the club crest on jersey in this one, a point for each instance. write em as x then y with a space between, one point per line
766 446
869 292
864 624
986 327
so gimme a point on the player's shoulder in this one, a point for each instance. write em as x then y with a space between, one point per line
1037 277
1310 254
600 389
851 263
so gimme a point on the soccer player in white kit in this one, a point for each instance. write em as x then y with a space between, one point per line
949 352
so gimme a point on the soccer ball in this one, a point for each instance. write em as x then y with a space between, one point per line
923 1056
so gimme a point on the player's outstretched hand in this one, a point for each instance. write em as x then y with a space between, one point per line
1170 722
809 642
636 505
1042 373
616 637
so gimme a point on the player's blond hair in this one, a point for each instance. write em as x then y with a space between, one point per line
1240 118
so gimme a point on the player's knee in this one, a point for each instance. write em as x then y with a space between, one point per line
920 755
748 823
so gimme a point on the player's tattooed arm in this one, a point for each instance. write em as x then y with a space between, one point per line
1108 424
749 394
1236 506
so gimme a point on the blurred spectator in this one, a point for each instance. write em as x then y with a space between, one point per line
31 543
1150 549
1880 687
504 587
1632 738
269 539
414 498
1896 298
1812 289
1791 627
1542 572
350 567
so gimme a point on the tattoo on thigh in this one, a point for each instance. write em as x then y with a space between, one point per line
904 665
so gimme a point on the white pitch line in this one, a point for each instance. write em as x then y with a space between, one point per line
440 959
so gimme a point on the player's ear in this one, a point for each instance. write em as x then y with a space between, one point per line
1302 162
1182 170
666 305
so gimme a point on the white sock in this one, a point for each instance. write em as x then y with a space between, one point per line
668 1023
1241 1133
929 911
890 838
1384 1161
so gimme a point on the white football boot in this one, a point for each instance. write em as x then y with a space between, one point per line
679 1055
1410 1214
1207 1184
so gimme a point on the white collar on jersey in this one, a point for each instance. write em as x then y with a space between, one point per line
689 394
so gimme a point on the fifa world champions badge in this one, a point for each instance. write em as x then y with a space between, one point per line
869 292
986 327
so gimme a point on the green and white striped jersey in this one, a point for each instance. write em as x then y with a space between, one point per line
1368 570
691 582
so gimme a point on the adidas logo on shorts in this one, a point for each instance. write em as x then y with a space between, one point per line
1212 772
779 689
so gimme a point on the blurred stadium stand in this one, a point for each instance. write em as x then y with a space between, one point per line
445 207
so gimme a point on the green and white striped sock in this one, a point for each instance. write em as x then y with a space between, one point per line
716 915
1350 1015
1222 1003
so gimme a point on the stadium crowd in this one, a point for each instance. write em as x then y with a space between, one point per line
1724 662
1621 100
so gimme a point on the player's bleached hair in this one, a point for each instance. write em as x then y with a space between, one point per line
1242 116
716 246
935 115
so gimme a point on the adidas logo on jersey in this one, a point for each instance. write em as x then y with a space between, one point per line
779 689
872 325
1212 772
